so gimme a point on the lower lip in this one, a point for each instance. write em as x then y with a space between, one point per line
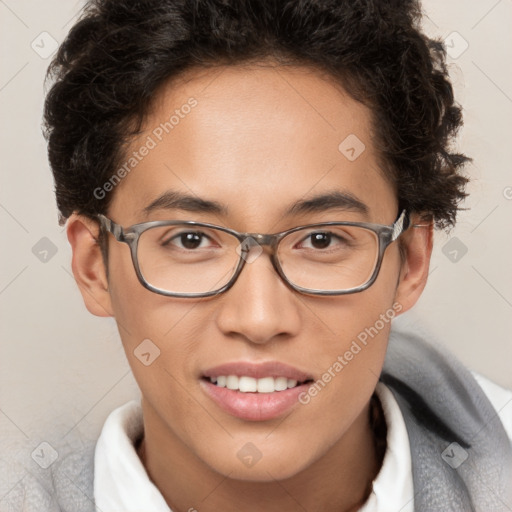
254 406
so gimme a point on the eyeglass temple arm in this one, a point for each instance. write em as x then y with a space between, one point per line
402 223
420 225
112 227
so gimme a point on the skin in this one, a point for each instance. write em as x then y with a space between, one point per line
260 138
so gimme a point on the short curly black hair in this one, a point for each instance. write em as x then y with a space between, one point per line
116 57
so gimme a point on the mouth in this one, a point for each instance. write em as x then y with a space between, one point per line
255 392
247 384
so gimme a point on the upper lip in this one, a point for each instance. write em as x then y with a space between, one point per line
258 370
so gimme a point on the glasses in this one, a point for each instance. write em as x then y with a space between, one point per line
197 259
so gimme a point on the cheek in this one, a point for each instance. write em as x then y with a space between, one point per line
158 333
364 315
139 312
160 340
356 329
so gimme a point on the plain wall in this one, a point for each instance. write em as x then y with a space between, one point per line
63 369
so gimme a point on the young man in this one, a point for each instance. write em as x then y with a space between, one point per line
250 189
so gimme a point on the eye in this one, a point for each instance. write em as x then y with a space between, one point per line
320 240
324 240
188 240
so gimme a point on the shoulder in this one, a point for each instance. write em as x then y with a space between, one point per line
63 483
500 398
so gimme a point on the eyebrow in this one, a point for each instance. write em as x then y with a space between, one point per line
334 200
173 200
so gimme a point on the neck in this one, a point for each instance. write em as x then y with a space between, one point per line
340 479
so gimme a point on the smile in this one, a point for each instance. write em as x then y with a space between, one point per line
246 384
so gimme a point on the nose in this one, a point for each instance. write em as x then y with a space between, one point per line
259 306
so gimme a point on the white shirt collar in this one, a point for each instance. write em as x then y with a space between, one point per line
121 483
393 488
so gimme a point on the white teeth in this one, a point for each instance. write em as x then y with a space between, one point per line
281 383
232 382
247 384
266 385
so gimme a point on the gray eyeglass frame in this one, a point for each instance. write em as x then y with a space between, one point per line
130 236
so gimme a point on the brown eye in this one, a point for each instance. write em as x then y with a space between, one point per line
323 240
320 240
188 240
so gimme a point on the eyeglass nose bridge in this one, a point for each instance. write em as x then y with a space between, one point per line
247 243
250 240
262 239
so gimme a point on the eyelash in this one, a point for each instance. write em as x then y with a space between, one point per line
203 236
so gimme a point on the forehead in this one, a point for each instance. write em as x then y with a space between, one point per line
255 139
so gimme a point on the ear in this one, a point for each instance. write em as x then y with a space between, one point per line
87 264
417 244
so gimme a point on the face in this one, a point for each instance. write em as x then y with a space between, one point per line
256 140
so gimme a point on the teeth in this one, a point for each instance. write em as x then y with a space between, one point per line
281 383
250 385
232 382
247 384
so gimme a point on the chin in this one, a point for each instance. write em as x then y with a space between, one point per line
260 473
265 465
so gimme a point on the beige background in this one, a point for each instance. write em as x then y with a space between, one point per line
63 370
